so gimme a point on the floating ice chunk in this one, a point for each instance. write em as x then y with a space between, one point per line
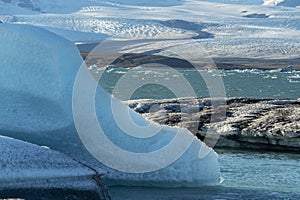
287 69
37 75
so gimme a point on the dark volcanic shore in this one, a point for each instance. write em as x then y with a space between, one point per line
256 63
133 60
240 123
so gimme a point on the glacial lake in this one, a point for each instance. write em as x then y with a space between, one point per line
246 174
154 84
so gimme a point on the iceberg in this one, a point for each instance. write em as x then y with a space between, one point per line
43 86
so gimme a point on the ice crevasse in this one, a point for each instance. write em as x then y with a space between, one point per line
38 81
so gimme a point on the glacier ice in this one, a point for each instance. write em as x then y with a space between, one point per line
38 71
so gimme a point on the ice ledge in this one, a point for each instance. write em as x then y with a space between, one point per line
25 165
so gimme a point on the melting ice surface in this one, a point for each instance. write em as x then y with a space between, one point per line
38 70
25 165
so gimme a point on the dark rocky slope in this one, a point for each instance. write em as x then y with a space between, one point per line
242 123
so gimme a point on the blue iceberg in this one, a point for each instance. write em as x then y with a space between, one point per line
43 87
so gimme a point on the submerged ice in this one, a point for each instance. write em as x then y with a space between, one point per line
38 72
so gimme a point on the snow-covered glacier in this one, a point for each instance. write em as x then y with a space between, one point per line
38 73
248 28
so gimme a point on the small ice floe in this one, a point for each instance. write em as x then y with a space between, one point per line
93 68
115 69
294 78
287 69
109 67
244 71
270 77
